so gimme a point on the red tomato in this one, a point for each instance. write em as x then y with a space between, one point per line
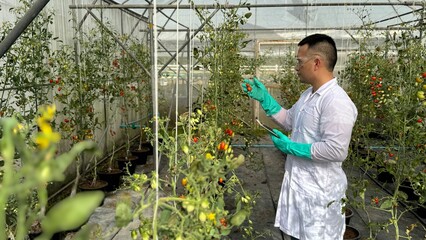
373 78
195 139
424 75
248 87
223 222
376 200
222 146
229 132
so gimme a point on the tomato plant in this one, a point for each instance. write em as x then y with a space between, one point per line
389 134
196 208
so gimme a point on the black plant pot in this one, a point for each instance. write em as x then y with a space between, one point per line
112 176
407 189
127 164
149 146
351 233
348 215
421 211
385 176
141 154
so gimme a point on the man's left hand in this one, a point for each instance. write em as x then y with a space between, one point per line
285 145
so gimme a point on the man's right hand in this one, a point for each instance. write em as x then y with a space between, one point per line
255 89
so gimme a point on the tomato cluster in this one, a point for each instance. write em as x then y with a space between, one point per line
377 93
229 132
223 146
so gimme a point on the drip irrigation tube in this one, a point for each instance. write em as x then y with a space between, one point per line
254 145
133 124
388 192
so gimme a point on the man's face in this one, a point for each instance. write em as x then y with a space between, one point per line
305 64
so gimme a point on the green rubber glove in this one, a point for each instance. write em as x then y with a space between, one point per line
286 146
261 94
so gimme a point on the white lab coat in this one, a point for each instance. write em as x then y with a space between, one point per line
309 207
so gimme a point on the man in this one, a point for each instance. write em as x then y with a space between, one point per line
321 122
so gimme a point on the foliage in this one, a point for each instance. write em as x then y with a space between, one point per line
25 186
25 68
221 56
130 85
200 175
80 82
386 84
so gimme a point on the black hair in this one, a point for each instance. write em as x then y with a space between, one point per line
323 44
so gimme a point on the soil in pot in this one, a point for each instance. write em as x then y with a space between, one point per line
127 164
141 154
112 176
348 215
351 233
90 185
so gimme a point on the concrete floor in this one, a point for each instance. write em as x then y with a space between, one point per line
262 173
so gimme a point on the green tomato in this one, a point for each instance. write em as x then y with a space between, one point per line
205 204
202 216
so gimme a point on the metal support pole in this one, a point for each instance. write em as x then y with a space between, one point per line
187 42
20 27
230 6
119 43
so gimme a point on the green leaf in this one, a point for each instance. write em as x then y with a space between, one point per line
239 218
6 143
165 216
248 15
70 213
386 204
225 232
123 214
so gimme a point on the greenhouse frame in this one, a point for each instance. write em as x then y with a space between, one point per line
126 119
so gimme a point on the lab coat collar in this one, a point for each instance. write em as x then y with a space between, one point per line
326 86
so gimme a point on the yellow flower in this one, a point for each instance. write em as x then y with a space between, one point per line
211 216
48 112
44 125
209 156
44 140
46 136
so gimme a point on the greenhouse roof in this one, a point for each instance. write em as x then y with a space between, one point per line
296 14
